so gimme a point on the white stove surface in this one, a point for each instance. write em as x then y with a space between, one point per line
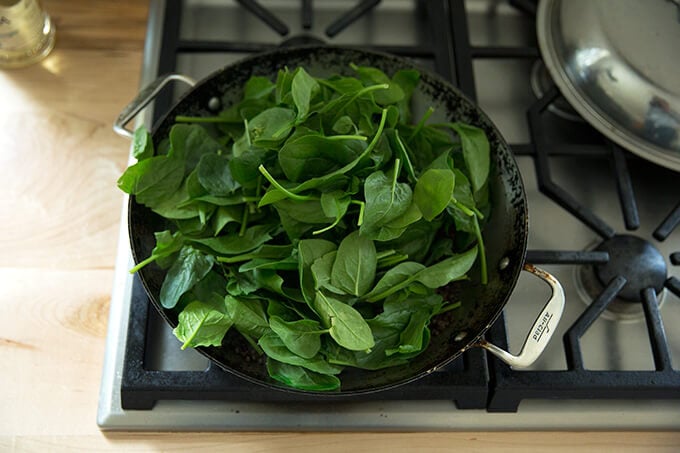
503 92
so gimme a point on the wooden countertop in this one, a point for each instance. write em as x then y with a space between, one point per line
60 214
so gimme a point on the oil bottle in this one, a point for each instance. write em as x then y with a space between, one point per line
26 33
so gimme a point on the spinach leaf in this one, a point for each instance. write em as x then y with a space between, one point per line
189 268
265 251
244 167
282 90
225 215
177 205
309 250
322 269
275 348
475 151
188 143
258 87
312 156
433 192
152 180
435 276
386 200
209 290
397 277
142 144
214 174
247 315
396 227
448 270
314 183
201 325
344 125
302 337
234 244
345 324
271 127
407 80
309 211
415 241
301 378
285 264
167 245
355 265
334 204
386 330
242 284
371 76
462 191
411 338
303 88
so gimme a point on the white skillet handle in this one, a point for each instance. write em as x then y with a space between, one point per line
542 329
144 97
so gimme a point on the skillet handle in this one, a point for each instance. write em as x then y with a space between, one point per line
144 97
542 329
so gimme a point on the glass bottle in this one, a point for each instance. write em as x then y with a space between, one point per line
26 33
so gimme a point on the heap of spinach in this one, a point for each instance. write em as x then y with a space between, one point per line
315 219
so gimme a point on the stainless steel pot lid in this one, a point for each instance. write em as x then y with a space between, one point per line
616 62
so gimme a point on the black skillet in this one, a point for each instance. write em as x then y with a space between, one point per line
505 235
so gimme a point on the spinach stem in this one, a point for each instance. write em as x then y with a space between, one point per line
449 307
278 186
462 207
194 333
392 260
244 223
378 133
482 251
368 89
143 263
329 227
253 343
477 213
407 159
347 137
385 254
236 259
478 234
362 207
397 167
247 132
421 123
393 289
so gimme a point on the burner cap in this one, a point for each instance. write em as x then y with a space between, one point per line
301 40
541 83
635 259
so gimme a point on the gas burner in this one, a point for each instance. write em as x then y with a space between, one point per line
541 82
636 260
302 40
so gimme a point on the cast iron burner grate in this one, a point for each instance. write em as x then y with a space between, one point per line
467 380
509 387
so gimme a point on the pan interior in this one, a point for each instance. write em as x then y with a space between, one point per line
505 235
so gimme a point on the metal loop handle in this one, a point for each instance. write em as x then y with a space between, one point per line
144 97
542 329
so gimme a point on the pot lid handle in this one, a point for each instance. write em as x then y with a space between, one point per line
145 96
542 329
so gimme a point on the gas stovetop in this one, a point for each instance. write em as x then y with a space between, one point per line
598 218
